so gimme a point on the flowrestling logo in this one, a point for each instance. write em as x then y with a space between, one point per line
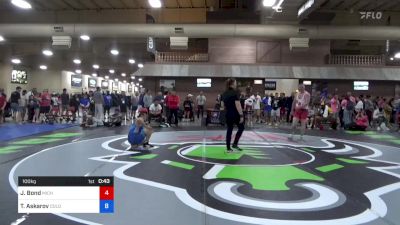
371 15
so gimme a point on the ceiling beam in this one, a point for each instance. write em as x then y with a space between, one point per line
315 6
332 4
348 4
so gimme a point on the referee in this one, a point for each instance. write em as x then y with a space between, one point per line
234 114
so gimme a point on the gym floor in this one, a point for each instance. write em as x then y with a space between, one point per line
330 177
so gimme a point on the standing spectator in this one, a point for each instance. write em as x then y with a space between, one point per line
74 106
135 104
15 100
349 105
34 105
267 101
55 106
359 104
23 105
31 109
201 102
188 108
107 104
257 107
282 106
84 103
160 98
3 102
147 99
64 101
173 105
99 106
167 112
115 101
123 105
218 102
369 108
289 103
45 103
276 111
334 102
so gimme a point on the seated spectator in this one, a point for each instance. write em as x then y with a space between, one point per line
361 122
155 111
380 119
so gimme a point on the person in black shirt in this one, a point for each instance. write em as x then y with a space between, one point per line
15 100
234 114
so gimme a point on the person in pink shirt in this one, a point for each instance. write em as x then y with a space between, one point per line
45 103
335 106
361 122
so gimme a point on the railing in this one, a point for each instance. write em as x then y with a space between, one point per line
357 60
181 57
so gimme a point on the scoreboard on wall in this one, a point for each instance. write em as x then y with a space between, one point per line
65 194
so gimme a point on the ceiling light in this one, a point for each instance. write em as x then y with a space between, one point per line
132 77
85 37
77 61
47 52
155 3
269 3
106 77
140 65
140 79
114 52
137 84
132 61
397 55
112 71
391 58
78 71
116 79
124 81
21 4
94 74
141 85
43 67
95 66
16 61
123 74
1 38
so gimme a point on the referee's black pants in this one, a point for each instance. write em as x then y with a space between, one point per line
230 122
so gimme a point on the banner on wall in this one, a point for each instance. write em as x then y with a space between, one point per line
92 83
270 85
76 81
19 77
104 84
122 86
166 85
115 86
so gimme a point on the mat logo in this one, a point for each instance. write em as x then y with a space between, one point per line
371 15
279 183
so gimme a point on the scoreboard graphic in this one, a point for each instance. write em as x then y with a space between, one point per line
65 194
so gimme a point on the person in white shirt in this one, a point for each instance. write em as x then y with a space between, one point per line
248 105
201 102
257 106
299 111
360 105
155 111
